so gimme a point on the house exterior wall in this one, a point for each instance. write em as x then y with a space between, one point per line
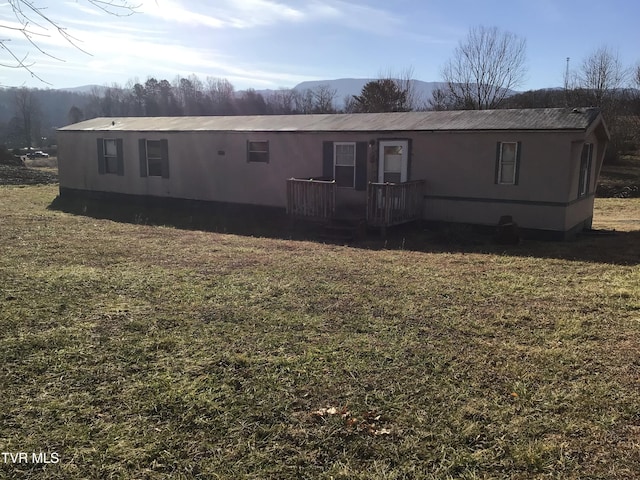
459 170
199 171
202 165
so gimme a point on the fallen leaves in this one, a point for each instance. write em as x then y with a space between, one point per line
370 422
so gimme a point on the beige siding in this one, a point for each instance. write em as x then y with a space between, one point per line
579 212
458 168
463 165
532 216
205 166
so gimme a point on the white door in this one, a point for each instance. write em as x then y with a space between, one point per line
393 156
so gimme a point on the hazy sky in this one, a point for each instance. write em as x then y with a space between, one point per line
279 43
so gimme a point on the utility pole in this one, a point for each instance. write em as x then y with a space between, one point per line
566 83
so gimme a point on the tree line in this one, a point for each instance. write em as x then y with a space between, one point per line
30 116
482 73
192 97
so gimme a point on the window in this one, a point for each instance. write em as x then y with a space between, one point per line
585 169
344 155
110 157
507 163
154 158
258 152
392 163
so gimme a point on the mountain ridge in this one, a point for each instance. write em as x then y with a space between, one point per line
344 87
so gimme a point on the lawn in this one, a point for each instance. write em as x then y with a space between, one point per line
130 350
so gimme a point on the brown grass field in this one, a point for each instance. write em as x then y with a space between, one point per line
138 351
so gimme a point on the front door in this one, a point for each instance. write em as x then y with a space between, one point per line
393 156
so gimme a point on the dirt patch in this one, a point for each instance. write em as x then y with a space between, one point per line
620 179
17 175
618 191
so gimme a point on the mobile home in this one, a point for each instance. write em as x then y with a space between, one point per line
539 166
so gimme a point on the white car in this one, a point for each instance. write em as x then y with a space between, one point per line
38 154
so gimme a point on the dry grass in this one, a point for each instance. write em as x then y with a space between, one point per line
620 214
48 163
138 351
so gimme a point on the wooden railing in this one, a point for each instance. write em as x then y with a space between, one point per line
311 199
394 203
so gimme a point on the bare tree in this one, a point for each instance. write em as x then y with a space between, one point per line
222 94
440 100
600 82
282 101
190 94
251 103
323 99
28 114
34 22
485 67
168 103
635 103
635 93
303 101
601 77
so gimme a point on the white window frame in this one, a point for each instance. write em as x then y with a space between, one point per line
336 164
405 156
501 163
110 159
585 170
155 159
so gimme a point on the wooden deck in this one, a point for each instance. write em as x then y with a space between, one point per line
311 199
387 204
394 203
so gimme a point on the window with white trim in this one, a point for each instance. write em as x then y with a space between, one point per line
507 163
110 156
154 158
344 161
585 169
110 149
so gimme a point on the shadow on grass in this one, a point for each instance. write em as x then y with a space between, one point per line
620 248
237 219
610 247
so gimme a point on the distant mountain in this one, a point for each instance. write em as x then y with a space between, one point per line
347 87
84 89
344 87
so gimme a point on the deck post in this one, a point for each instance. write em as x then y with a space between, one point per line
391 204
311 199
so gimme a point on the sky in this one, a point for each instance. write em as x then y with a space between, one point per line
270 44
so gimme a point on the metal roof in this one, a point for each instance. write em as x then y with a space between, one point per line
465 120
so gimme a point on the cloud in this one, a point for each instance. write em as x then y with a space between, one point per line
356 16
122 56
238 14
245 14
179 37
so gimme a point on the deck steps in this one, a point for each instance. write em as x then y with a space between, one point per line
343 230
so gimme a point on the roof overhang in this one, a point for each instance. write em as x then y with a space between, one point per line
599 127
